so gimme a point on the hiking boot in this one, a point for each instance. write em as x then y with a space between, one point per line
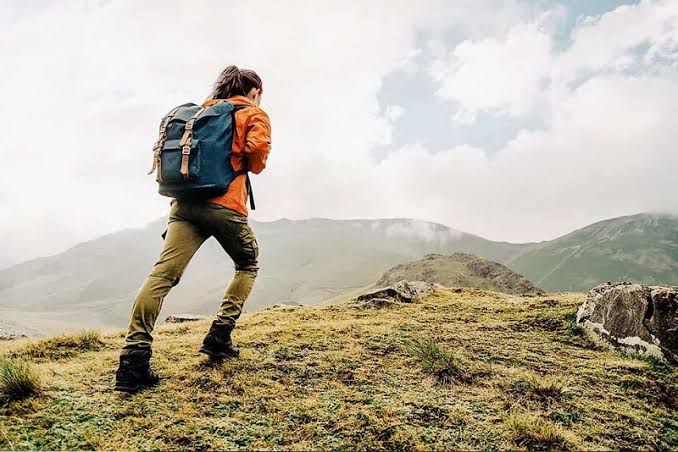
217 344
134 372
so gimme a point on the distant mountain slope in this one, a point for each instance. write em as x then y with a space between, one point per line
461 270
93 283
642 248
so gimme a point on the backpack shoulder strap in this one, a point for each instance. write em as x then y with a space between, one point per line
186 140
160 142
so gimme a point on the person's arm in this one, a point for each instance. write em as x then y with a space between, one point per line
258 141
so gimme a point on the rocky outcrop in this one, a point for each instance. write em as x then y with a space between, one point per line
461 270
284 306
633 317
10 334
400 292
182 318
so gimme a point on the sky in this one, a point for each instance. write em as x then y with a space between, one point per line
514 120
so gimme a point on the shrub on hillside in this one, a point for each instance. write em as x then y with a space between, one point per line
540 388
444 365
535 433
18 380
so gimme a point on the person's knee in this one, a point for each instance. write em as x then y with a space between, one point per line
250 267
170 273
249 259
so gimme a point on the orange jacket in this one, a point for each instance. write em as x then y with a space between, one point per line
251 145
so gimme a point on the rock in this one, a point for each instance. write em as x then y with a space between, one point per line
284 306
182 318
10 335
402 292
633 317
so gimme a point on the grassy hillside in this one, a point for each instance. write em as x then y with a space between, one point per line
640 248
462 369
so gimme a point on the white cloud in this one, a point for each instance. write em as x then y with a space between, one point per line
610 152
489 75
518 74
84 86
599 43
85 83
394 112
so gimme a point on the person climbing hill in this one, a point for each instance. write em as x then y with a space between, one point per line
202 159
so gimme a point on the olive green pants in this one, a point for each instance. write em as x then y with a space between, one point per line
190 224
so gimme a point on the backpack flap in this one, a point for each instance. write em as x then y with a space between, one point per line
171 157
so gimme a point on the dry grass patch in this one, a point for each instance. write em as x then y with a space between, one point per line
539 388
18 381
535 433
59 347
447 367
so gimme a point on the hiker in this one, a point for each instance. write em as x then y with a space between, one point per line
202 208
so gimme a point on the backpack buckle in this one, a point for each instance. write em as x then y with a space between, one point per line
186 149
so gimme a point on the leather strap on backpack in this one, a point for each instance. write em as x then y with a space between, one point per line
160 142
186 141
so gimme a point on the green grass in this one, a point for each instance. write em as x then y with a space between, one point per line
18 381
336 377
445 366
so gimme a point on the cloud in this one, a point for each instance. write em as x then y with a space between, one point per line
87 83
394 112
502 77
519 74
609 152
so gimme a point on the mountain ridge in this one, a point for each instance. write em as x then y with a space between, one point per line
92 284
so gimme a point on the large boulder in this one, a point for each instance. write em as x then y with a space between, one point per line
633 317
400 292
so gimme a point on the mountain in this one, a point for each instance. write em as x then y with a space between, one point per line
460 270
93 284
640 248
308 261
462 369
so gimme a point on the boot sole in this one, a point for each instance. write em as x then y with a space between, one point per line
217 356
133 389
127 389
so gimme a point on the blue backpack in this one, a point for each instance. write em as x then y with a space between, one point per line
192 156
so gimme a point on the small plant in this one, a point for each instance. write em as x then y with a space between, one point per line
284 353
573 327
444 365
18 380
535 433
656 365
62 346
542 389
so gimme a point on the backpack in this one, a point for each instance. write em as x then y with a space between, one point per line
192 156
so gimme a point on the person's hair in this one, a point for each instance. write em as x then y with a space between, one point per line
235 82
